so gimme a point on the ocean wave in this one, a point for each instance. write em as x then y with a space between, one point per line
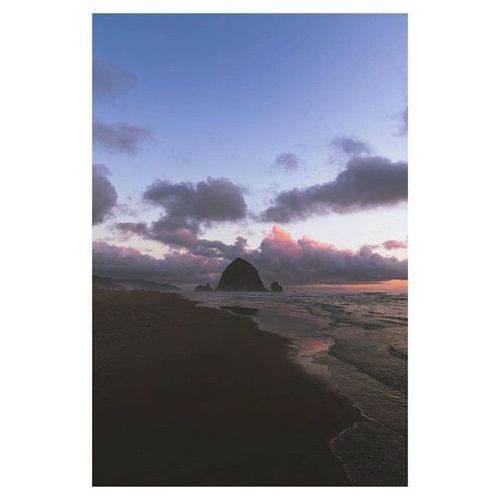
357 344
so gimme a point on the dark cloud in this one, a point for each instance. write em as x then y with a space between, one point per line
218 249
288 161
109 79
403 127
103 194
189 209
184 238
139 228
161 231
367 182
279 257
119 137
188 205
394 244
351 146
177 268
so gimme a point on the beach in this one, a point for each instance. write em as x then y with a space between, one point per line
197 396
355 341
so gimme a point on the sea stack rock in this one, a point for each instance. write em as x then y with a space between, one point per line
240 276
204 288
276 287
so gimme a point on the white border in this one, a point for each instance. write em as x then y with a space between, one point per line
454 111
255 6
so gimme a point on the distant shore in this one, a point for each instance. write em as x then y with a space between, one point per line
184 395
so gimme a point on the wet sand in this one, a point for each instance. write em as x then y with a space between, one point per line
191 396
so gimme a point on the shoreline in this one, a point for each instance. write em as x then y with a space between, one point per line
312 336
187 395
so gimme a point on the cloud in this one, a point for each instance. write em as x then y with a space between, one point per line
109 79
308 261
278 258
403 127
119 137
288 161
188 210
188 205
351 146
177 268
160 231
104 195
394 244
184 238
126 209
367 182
139 228
219 249
371 247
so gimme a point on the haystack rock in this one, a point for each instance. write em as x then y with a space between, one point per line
204 288
240 276
276 287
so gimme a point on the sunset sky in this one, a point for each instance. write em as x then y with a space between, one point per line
278 138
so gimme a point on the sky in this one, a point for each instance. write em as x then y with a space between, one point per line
278 138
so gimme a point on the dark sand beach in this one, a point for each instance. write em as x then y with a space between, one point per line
184 395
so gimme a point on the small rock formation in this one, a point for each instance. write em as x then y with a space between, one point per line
240 276
204 288
276 287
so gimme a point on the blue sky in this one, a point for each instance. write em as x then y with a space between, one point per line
224 95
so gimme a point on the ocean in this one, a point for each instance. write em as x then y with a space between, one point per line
356 343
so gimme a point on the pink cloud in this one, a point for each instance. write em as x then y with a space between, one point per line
121 252
394 244
279 257
308 242
279 239
306 260
281 242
